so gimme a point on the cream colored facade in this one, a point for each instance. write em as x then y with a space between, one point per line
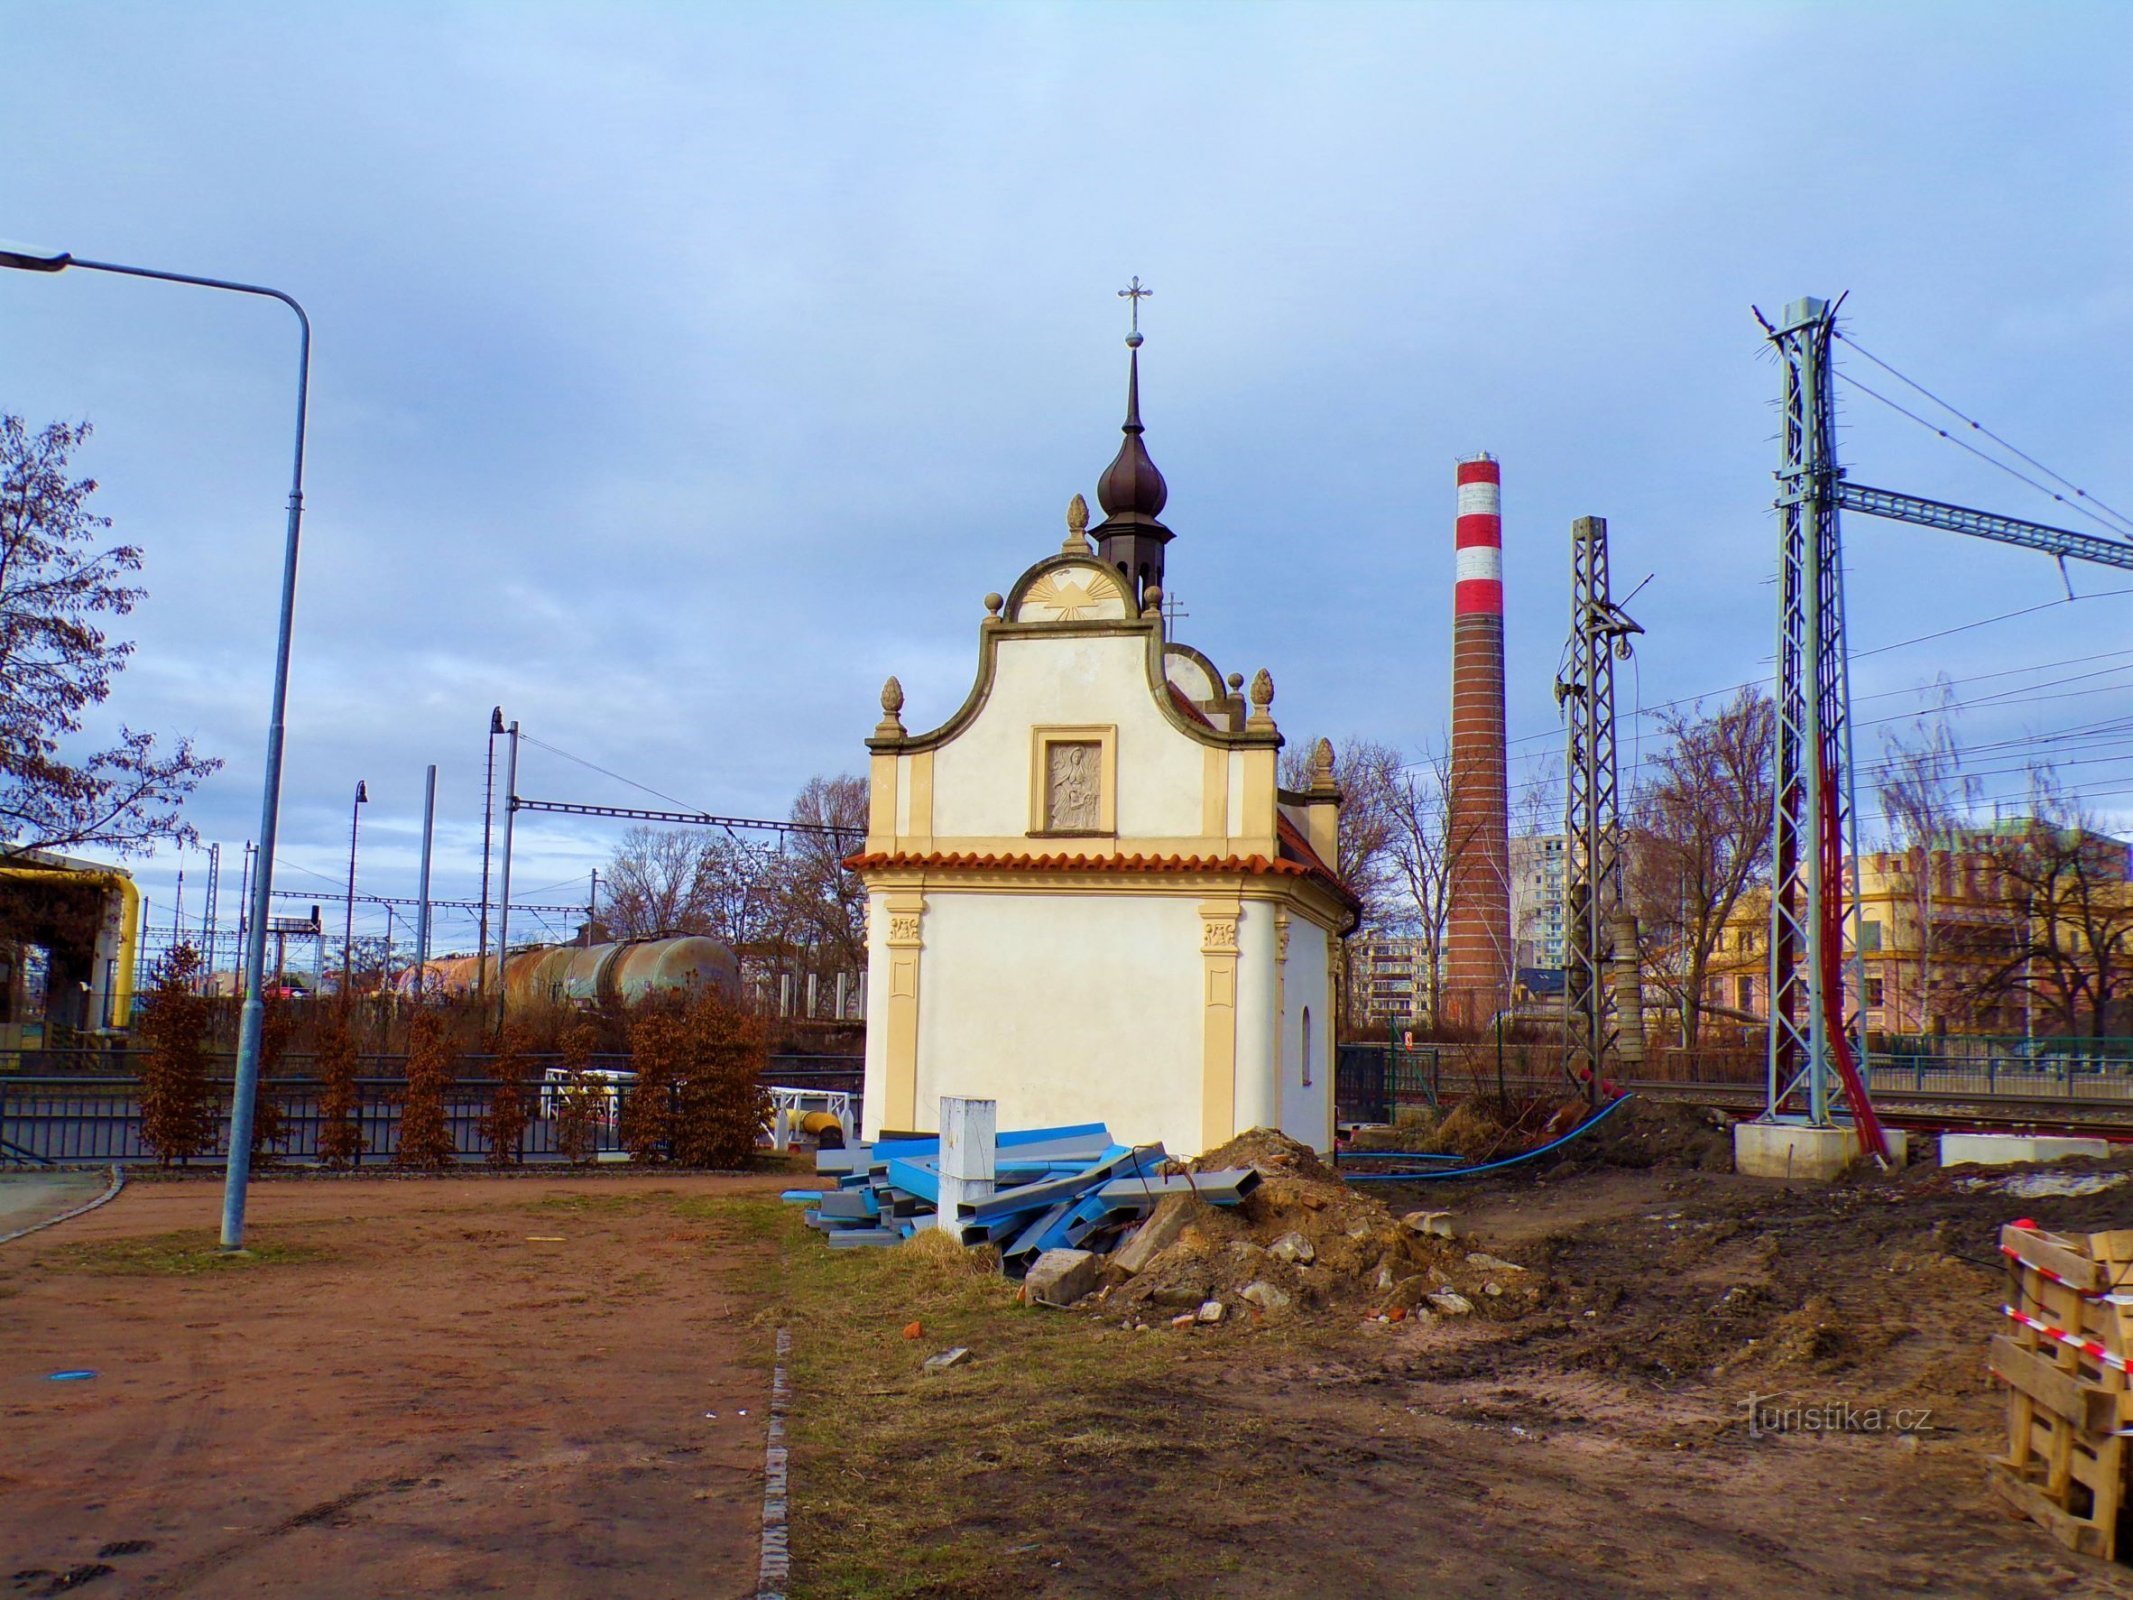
1088 899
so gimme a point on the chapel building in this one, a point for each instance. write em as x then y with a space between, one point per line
1088 897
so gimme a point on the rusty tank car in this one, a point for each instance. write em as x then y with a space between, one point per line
591 975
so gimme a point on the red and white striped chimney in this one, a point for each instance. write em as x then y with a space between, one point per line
1477 954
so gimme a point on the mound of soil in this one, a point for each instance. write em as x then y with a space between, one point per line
1305 1242
1269 1153
1666 1134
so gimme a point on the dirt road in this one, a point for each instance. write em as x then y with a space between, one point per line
534 1387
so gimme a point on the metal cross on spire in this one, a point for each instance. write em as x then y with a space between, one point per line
1135 294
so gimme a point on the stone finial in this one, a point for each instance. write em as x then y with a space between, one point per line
1152 600
1262 700
1077 539
1235 681
892 704
992 605
1322 761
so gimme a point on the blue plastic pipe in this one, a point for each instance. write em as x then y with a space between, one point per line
1579 1131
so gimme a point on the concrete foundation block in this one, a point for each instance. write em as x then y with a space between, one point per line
2010 1149
1060 1277
1793 1150
1158 1233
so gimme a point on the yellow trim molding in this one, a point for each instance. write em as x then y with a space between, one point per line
1218 1034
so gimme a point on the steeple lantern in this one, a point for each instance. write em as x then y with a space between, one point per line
1131 490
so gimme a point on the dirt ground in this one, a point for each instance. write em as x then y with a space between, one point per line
414 1389
420 1387
1595 1443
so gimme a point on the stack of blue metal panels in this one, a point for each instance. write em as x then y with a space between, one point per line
1054 1188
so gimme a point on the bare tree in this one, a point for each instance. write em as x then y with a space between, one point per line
1537 806
738 888
1421 855
656 884
824 906
1925 798
1368 775
2059 946
57 663
1699 837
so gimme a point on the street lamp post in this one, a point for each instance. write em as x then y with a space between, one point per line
245 1092
488 817
503 910
348 927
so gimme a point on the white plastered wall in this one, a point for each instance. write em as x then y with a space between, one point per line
1065 1008
1307 1110
981 777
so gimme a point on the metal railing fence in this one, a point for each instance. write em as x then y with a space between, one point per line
1370 1085
76 1119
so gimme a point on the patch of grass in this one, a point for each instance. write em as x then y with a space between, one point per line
593 1204
907 1485
753 1221
186 1254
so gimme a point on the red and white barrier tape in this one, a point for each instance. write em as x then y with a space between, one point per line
2107 1296
2088 1347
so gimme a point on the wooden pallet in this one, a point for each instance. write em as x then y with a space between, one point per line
2069 1404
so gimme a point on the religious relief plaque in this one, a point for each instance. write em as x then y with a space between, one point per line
1073 786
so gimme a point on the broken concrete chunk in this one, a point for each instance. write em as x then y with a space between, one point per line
1265 1296
1060 1277
1408 1293
1450 1303
1295 1248
1181 1296
946 1359
1158 1233
1437 1224
1492 1289
1211 1311
1184 1319
1489 1263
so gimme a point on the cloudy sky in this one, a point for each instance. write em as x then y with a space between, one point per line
683 370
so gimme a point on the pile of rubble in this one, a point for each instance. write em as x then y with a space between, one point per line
1300 1241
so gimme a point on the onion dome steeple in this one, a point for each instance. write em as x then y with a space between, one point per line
1131 490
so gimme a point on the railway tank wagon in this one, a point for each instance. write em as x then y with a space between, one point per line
625 973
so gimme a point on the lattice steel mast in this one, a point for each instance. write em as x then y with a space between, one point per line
1816 1053
1592 844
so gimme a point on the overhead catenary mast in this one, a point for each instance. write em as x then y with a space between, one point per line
1600 934
1816 1052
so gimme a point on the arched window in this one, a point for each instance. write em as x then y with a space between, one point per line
1306 1053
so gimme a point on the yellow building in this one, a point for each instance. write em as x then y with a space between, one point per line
1937 928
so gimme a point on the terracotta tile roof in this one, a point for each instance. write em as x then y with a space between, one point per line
1183 701
1308 866
1295 847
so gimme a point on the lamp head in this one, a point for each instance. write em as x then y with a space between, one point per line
362 793
496 719
29 258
